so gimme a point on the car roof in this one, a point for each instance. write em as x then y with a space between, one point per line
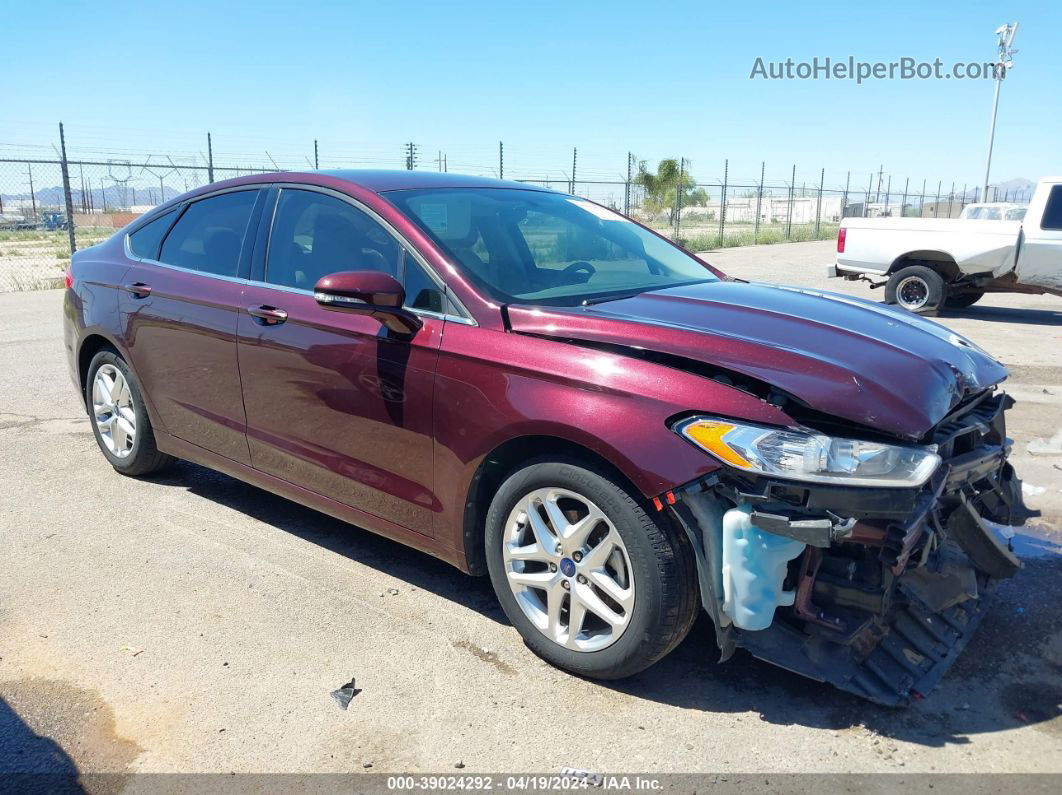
380 181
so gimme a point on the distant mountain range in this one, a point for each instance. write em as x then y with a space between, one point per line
112 197
1018 189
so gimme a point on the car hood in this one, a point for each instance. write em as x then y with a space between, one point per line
847 357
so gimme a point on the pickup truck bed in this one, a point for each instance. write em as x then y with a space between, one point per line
928 263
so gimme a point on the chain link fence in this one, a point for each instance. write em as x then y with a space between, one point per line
50 208
42 221
713 215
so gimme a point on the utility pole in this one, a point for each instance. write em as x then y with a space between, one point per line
722 200
627 188
1005 35
759 202
877 194
789 218
411 156
210 159
575 154
818 205
678 196
501 161
316 164
33 197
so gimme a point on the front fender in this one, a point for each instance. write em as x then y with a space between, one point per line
495 387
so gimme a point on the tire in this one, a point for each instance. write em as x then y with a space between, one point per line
651 559
110 414
916 288
961 300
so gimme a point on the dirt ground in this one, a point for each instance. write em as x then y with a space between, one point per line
191 623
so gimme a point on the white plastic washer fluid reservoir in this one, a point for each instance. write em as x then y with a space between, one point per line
754 567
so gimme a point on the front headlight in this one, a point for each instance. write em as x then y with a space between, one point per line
810 456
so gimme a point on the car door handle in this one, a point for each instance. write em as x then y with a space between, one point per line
138 289
266 315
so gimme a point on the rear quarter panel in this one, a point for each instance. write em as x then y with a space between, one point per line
90 305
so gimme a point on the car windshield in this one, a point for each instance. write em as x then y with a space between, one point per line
527 246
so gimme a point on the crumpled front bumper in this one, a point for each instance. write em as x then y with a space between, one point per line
891 583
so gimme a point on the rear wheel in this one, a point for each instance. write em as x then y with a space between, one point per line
916 288
592 582
119 419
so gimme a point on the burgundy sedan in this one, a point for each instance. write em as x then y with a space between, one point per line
529 385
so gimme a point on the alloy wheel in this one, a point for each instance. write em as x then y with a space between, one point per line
568 568
912 293
113 410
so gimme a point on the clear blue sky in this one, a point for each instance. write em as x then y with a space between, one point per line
657 78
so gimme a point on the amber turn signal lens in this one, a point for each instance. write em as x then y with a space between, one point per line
709 435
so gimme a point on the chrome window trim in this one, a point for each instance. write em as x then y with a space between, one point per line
465 317
283 288
180 206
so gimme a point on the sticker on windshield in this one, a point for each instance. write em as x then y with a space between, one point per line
598 211
434 216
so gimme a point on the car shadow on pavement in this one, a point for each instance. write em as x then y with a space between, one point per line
30 762
390 557
1009 676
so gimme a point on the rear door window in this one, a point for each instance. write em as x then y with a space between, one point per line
144 242
210 234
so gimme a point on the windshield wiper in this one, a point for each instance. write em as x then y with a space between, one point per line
601 299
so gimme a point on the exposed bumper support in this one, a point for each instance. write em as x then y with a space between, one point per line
892 583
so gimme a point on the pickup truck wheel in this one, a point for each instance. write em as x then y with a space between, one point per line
593 583
963 299
916 288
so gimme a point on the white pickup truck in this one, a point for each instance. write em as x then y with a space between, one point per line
929 264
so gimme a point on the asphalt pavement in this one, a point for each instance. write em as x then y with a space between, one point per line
192 623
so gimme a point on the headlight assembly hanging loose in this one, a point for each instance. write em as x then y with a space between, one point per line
806 456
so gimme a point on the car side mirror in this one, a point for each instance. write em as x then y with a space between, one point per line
372 293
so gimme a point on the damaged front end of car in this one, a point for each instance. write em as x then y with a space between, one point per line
875 588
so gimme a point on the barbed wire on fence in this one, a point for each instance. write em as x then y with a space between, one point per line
44 199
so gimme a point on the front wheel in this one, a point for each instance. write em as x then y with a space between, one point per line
593 583
916 288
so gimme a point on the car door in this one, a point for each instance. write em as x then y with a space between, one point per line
179 312
335 402
1040 256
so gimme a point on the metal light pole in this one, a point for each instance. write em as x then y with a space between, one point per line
1006 35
